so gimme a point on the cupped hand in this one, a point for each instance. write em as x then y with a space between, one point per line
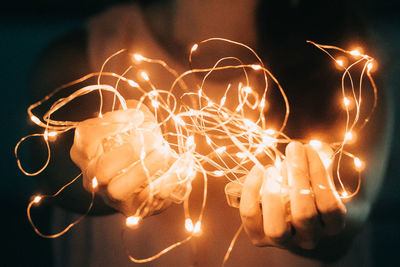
295 206
135 169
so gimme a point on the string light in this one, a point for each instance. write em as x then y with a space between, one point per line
227 130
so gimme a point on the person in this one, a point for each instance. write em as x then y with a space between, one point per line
163 30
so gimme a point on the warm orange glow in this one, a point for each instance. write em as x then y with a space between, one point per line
316 144
138 57
94 183
144 76
194 47
37 199
256 67
189 225
132 221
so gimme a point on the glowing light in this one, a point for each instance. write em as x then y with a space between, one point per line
358 163
132 221
270 131
346 101
370 66
340 62
240 155
220 150
247 89
138 57
190 141
348 136
355 52
144 76
94 183
226 128
316 144
133 84
189 225
37 199
218 173
155 103
194 47
35 120
197 228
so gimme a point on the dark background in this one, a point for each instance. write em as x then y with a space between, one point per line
27 26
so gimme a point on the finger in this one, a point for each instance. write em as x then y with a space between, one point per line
175 184
110 164
329 205
250 211
304 212
90 133
137 175
276 226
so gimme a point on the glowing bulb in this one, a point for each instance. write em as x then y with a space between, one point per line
270 131
240 155
358 163
194 47
370 66
190 141
132 83
348 136
218 173
223 101
144 76
94 183
155 103
256 67
208 140
189 225
37 199
355 52
178 120
316 144
346 101
138 57
247 89
210 103
132 221
197 228
262 104
35 119
220 149
340 62
52 134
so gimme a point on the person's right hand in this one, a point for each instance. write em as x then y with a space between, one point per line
136 171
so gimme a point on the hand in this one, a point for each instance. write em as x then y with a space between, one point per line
135 168
298 205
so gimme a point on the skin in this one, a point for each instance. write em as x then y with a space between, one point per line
319 224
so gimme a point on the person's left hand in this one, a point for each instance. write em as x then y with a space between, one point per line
298 206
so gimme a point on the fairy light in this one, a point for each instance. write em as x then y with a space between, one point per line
189 225
133 83
145 76
223 124
256 67
37 199
348 136
197 228
132 221
138 57
358 163
355 52
340 62
194 47
95 183
35 120
346 102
